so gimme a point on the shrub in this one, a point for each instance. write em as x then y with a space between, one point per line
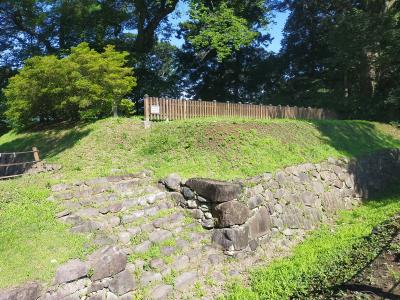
83 85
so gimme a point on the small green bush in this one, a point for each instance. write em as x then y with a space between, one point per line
83 85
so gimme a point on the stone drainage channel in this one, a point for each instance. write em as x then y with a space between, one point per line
165 243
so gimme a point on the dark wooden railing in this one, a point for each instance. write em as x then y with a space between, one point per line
13 164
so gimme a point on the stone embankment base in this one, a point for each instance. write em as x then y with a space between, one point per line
154 243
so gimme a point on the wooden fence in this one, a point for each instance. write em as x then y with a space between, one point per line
177 109
13 164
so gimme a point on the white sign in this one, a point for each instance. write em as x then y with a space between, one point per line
155 109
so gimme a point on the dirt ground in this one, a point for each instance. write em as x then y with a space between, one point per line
379 280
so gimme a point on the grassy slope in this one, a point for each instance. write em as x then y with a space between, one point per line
321 256
31 240
223 149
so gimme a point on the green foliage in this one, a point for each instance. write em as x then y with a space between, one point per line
170 278
342 55
139 238
38 90
219 30
198 290
153 252
84 85
126 107
329 257
159 72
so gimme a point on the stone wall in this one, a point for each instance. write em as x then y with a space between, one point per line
104 274
115 210
297 198
91 207
124 217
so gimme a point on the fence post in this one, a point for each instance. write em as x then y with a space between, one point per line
215 107
146 111
167 109
36 157
184 108
199 108
35 154
146 107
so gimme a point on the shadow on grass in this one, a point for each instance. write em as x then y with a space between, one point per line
377 162
361 283
370 290
49 142
354 138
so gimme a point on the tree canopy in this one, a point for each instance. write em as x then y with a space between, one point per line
83 85
342 55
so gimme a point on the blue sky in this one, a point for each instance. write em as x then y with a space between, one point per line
275 28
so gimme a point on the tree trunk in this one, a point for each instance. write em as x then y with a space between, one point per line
115 109
346 83
366 73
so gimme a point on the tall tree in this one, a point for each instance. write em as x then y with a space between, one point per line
52 27
223 48
335 53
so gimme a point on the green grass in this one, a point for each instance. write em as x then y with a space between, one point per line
224 148
327 253
33 243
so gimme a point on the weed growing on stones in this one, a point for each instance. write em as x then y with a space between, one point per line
139 238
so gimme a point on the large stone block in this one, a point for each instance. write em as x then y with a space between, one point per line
161 292
178 199
215 190
172 182
70 271
107 262
231 213
308 198
231 238
70 290
331 202
160 235
185 280
122 283
255 201
29 291
260 224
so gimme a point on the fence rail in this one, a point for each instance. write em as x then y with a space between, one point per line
13 164
178 109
